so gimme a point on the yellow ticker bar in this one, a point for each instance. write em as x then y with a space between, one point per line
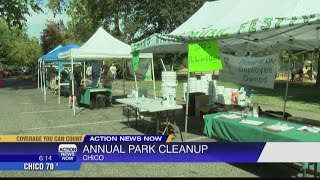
42 138
169 138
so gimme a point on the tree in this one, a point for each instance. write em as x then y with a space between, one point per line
14 11
25 52
150 16
8 36
52 35
130 20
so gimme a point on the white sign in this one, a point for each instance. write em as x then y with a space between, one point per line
250 71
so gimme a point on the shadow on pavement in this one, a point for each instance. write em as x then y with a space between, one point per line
14 84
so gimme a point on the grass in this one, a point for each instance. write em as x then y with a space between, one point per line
301 96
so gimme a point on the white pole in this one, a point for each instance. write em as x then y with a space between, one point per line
38 75
164 67
173 60
73 103
287 85
135 79
187 109
59 81
124 69
84 72
153 78
41 77
44 83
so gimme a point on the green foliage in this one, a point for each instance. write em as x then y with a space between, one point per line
52 35
129 20
25 52
16 48
14 11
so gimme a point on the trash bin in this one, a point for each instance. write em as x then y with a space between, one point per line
192 102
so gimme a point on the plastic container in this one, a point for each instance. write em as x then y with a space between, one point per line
241 98
169 84
219 89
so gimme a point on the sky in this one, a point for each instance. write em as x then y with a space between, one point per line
36 22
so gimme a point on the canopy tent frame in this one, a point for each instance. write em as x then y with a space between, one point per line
72 72
195 29
52 57
101 45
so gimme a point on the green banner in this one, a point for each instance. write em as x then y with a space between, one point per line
204 56
135 61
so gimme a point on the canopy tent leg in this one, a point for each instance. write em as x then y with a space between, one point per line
123 86
84 72
187 110
72 82
153 79
135 80
41 77
38 76
287 84
173 60
44 83
59 75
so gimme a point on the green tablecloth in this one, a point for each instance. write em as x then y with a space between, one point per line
232 130
85 94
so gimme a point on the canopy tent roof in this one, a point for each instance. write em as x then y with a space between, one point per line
53 55
59 46
160 43
250 25
101 46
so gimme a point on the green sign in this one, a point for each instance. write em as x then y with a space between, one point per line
135 61
204 56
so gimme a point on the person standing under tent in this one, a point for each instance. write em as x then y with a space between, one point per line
76 95
113 70
107 77
89 72
107 80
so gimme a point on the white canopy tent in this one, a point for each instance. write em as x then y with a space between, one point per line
102 46
255 25
243 26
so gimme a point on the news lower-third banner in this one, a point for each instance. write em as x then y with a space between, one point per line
68 152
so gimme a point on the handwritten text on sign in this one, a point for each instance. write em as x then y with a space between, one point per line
204 56
251 71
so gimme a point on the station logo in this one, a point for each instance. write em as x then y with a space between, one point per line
67 152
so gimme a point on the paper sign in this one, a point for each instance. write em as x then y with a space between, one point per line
204 56
250 71
135 61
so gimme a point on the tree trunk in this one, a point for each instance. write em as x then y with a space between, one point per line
117 24
318 74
